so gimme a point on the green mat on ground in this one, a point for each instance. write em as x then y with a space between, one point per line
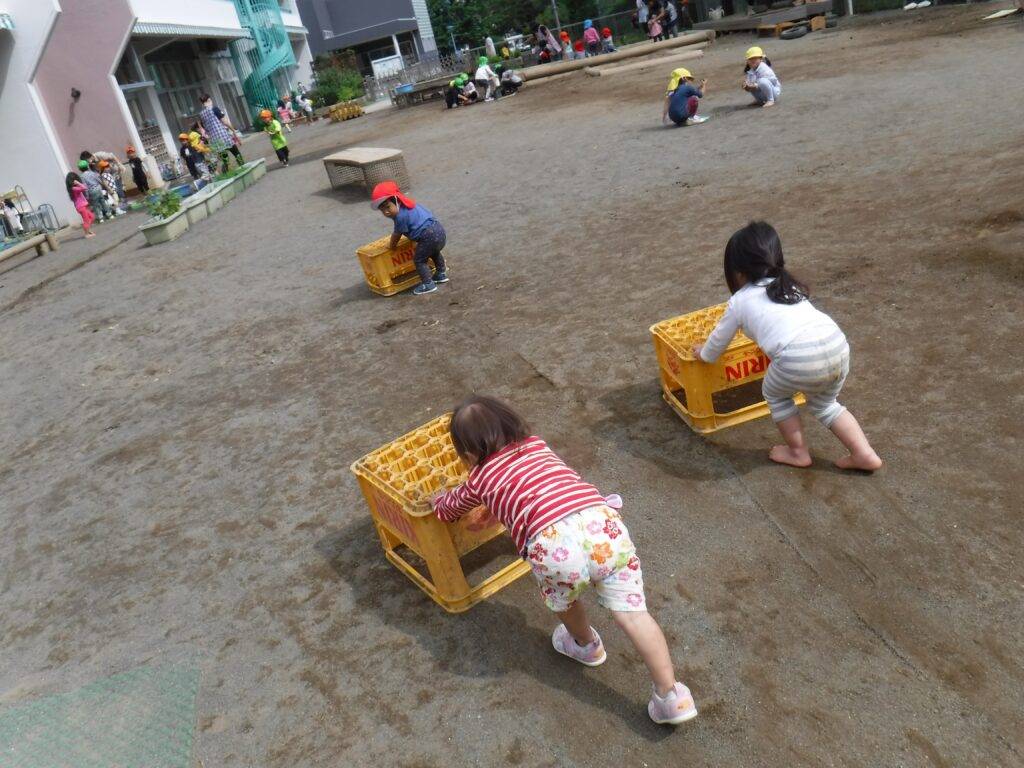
143 718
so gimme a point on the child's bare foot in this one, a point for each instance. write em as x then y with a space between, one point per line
868 462
768 104
90 234
783 454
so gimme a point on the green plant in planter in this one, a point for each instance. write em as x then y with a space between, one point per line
163 204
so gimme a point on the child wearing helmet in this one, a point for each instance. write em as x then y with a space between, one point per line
138 170
486 78
682 99
759 79
591 38
273 129
95 192
192 158
607 46
419 225
453 93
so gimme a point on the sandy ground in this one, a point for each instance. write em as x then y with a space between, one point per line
179 422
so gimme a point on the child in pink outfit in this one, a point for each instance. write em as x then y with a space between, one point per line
77 193
571 535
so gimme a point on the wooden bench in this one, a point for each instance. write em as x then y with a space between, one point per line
39 242
367 166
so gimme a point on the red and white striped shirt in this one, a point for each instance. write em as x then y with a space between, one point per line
526 486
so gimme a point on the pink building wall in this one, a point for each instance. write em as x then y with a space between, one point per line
84 49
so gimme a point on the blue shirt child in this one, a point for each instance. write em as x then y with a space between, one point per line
677 102
411 222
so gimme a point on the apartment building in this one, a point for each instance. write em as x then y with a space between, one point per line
102 74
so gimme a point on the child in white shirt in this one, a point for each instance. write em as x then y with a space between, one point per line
486 78
759 79
807 350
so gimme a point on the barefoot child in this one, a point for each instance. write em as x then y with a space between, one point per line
682 99
419 225
570 536
759 78
808 352
272 128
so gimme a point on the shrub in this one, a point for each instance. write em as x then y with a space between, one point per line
338 84
163 203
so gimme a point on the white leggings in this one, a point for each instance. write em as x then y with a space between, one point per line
815 363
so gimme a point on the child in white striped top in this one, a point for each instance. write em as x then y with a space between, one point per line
571 536
808 351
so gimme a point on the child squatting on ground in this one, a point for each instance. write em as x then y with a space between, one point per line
759 79
570 535
807 350
272 128
682 99
419 225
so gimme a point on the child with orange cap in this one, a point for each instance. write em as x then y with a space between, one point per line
192 158
419 225
138 170
273 129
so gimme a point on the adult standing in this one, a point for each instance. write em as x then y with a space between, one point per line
219 132
640 17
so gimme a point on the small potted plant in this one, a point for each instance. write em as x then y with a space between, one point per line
168 218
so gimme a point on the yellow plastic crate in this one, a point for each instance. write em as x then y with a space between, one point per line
388 271
709 396
397 481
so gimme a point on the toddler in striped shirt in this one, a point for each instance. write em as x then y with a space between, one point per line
570 534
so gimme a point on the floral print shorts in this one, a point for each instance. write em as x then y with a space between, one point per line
587 547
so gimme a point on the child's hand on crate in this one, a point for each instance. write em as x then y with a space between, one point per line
696 350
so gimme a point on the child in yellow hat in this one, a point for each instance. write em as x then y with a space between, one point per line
273 129
682 98
759 79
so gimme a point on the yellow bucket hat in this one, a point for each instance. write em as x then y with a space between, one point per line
754 52
677 76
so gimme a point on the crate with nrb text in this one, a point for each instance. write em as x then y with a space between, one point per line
709 396
388 271
397 481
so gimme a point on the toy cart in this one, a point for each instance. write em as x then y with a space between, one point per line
397 481
709 396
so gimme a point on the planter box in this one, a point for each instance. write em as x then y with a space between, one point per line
228 190
259 169
246 178
164 230
216 199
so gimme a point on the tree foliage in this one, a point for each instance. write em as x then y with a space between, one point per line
473 20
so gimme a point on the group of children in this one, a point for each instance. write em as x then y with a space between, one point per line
494 82
683 97
570 533
549 48
573 536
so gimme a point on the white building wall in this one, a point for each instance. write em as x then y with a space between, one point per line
419 8
199 13
31 153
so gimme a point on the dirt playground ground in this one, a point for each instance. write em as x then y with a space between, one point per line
179 423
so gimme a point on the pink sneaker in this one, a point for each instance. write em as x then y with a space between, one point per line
676 707
592 654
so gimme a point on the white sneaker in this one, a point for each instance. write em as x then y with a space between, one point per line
909 6
924 3
696 120
676 707
491 98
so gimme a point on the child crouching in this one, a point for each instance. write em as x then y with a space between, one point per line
682 99
570 535
419 225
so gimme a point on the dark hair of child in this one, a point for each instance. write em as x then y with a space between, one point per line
755 252
481 426
765 59
69 180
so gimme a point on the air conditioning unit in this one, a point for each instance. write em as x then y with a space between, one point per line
328 33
